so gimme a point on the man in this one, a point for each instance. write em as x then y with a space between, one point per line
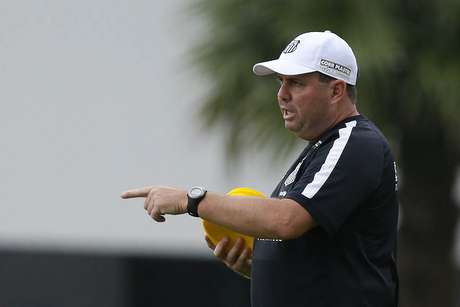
327 235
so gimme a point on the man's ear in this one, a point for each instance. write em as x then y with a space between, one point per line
339 90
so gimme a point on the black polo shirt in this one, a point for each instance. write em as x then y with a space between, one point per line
347 181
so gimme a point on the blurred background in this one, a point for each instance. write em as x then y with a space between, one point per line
101 96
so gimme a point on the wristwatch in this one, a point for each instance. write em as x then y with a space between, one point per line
195 195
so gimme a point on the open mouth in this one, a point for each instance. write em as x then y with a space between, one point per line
287 114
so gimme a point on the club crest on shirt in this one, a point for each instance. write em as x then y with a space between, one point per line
290 179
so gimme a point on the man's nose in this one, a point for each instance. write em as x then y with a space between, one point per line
283 93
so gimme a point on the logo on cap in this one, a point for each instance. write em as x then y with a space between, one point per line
327 66
292 46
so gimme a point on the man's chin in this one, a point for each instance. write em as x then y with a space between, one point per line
297 131
291 126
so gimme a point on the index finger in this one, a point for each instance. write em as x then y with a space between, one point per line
141 192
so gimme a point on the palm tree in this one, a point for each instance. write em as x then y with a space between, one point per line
409 72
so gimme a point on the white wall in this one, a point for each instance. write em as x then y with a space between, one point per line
97 97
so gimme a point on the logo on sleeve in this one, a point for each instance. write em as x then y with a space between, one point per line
396 176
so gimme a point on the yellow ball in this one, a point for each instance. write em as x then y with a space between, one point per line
217 232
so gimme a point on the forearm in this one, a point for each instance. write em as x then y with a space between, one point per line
257 217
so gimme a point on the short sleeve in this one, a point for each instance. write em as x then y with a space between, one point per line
340 177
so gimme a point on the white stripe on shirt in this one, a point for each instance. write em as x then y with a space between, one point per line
331 160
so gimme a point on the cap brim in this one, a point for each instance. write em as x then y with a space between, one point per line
281 67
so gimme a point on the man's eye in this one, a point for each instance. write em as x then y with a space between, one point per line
290 82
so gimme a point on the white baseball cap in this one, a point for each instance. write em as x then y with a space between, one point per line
324 52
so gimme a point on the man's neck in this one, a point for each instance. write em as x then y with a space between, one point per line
348 112
352 111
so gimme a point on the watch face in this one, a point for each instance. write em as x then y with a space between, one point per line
196 192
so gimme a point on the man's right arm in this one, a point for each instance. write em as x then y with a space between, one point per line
257 217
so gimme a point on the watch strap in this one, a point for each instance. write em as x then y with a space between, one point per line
193 203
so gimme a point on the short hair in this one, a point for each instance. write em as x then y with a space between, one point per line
351 89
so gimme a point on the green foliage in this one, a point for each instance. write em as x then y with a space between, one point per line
409 73
407 54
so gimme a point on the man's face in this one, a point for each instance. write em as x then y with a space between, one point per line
304 104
